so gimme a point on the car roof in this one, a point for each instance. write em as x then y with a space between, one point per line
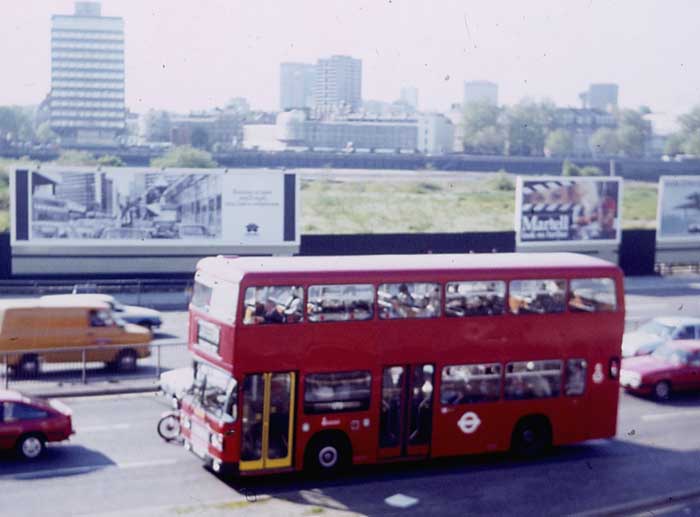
11 396
674 321
43 303
79 296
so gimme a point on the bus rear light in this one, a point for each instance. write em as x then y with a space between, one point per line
614 368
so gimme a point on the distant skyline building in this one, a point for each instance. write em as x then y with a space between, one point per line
86 103
409 96
481 91
601 96
297 85
338 85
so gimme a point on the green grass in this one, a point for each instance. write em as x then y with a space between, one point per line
639 204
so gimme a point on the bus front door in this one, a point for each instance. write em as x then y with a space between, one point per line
406 418
267 421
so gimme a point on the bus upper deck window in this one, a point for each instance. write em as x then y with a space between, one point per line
409 300
476 298
273 305
592 295
540 296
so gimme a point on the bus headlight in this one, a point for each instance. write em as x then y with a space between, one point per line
217 441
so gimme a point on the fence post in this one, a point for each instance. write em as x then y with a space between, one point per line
158 360
7 372
84 374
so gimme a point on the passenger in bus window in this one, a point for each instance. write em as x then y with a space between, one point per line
273 313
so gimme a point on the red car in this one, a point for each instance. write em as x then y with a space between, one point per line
28 423
674 366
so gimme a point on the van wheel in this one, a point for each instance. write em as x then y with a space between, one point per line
126 361
28 366
531 437
30 446
328 454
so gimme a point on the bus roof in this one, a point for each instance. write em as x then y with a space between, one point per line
234 268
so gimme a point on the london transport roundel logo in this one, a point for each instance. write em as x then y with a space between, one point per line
469 422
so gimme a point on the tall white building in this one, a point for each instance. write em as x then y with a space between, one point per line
87 76
297 85
481 91
338 85
409 96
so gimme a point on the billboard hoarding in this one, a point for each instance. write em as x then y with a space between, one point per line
678 210
83 207
568 211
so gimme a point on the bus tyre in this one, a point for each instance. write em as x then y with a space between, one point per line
126 360
30 446
328 454
531 437
28 366
662 390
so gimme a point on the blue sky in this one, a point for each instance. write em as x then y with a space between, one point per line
193 55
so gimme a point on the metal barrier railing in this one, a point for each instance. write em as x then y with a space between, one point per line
24 367
167 294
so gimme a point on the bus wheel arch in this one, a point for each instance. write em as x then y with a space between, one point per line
532 436
328 452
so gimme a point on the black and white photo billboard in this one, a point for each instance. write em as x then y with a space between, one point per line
678 212
65 211
562 210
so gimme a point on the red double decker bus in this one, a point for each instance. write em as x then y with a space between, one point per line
323 362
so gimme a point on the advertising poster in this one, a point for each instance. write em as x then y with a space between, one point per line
678 212
563 210
136 207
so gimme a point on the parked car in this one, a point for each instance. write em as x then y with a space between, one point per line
125 233
149 318
193 231
657 331
674 366
28 423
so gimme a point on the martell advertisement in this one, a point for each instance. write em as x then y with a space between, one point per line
555 209
678 212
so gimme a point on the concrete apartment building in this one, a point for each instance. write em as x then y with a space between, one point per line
602 96
297 85
338 86
480 91
86 103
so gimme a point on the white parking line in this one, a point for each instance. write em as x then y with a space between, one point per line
100 428
660 417
84 469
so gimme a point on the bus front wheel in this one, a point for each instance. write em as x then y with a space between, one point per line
531 437
328 453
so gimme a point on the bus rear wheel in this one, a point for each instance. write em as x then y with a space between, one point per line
531 437
328 454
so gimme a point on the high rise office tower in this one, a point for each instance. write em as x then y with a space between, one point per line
297 85
601 96
481 91
338 85
409 96
87 76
